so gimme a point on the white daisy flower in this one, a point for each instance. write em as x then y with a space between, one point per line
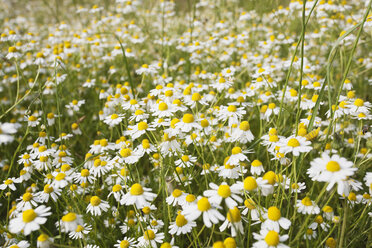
224 192
177 197
237 156
274 220
233 221
150 238
307 206
203 207
97 206
334 169
113 120
295 145
185 161
135 131
80 231
126 243
9 183
29 220
181 225
70 221
269 239
138 195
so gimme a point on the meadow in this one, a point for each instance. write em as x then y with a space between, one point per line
185 124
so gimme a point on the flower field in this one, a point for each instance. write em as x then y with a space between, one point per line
186 124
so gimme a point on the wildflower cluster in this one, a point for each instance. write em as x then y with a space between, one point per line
140 124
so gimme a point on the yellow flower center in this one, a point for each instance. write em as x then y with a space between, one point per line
185 158
273 213
133 102
224 191
28 215
270 177
272 238
196 97
234 215
190 198
244 126
319 219
126 152
8 181
163 106
293 142
116 188
124 244
309 231
60 176
250 183
231 108
180 220
249 204
166 245
333 166
95 201
69 217
306 201
142 125
27 197
79 228
84 172
273 138
149 235
203 204
359 102
48 189
139 112
177 193
256 163
43 237
188 118
236 150
114 116
136 189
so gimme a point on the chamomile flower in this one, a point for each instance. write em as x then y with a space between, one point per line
80 231
9 183
70 221
97 206
126 243
150 238
256 167
177 197
135 131
117 191
230 194
307 206
187 123
181 225
47 193
233 221
138 195
269 239
44 241
295 145
274 220
334 169
242 133
27 201
21 244
237 156
29 220
186 161
203 207
113 120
